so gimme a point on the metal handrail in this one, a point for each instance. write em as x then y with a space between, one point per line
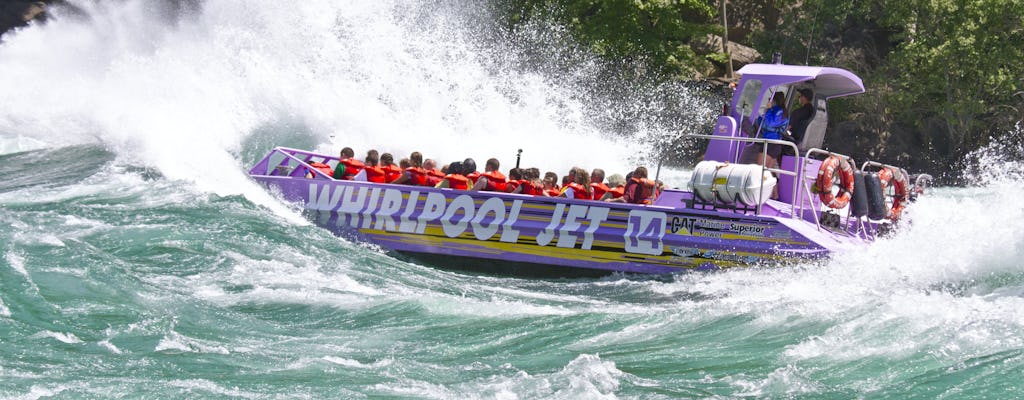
876 164
290 153
764 153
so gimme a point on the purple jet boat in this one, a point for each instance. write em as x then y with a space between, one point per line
733 213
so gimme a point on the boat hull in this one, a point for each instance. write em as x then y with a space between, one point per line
512 228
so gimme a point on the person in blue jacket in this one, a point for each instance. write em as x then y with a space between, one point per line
772 125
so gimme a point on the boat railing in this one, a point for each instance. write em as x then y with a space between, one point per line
764 155
280 167
875 164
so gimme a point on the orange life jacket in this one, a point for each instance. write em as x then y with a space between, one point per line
617 191
529 188
496 182
433 177
553 192
473 177
638 191
352 167
417 176
512 185
598 189
375 174
456 181
578 191
323 168
391 172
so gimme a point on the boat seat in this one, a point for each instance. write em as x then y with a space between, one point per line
814 134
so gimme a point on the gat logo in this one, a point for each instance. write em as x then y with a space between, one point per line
682 223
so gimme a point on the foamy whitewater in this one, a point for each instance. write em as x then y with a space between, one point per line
140 261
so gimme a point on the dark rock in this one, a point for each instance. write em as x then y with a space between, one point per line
739 53
16 14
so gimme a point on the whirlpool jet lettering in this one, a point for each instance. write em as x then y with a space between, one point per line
388 210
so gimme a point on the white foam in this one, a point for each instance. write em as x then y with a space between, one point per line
40 392
4 311
590 377
347 362
174 341
68 338
926 289
109 346
585 377
17 263
289 277
789 380
200 386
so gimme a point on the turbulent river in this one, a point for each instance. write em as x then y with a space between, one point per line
138 260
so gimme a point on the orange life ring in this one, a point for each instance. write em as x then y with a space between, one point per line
826 174
900 184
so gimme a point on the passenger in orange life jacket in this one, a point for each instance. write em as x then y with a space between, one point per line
324 168
616 185
638 190
433 176
469 170
491 180
455 178
530 184
579 185
414 174
391 171
372 172
515 177
567 179
551 188
361 175
348 166
533 178
597 186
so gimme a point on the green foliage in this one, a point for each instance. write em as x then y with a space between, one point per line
947 73
656 32
959 61
720 58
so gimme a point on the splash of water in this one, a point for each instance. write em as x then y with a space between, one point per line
186 96
947 284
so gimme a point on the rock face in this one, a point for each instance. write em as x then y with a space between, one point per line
741 55
15 14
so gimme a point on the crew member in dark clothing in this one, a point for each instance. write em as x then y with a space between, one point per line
800 117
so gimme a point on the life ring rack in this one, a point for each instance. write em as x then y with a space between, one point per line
833 166
899 180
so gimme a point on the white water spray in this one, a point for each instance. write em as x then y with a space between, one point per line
183 97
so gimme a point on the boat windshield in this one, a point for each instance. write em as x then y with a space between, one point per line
748 98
